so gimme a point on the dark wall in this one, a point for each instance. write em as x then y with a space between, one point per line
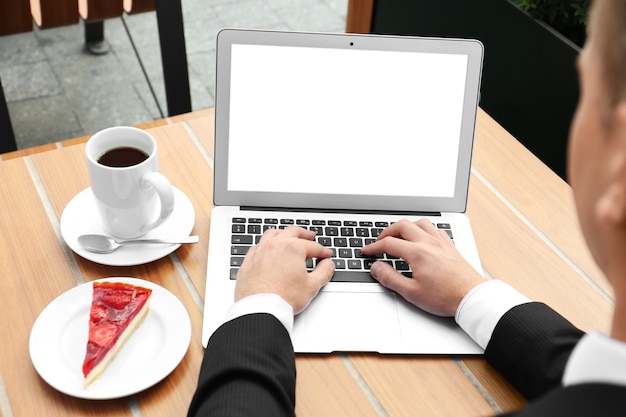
529 83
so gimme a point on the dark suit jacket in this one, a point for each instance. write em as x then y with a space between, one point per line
249 368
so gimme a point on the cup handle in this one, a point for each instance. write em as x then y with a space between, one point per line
166 195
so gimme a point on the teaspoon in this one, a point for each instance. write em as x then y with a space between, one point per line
107 244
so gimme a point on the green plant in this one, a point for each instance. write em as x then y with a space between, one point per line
566 16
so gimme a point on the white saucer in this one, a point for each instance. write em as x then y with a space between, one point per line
80 217
58 341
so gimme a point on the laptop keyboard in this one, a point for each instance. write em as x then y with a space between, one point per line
345 238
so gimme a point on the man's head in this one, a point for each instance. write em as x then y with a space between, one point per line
597 146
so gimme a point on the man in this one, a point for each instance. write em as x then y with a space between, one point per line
249 365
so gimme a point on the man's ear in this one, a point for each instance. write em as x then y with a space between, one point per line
611 207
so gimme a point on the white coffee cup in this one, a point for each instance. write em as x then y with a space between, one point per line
131 195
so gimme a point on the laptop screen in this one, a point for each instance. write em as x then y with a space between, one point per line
337 123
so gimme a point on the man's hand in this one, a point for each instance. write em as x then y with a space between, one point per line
441 276
276 265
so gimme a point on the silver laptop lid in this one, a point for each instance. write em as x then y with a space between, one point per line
344 122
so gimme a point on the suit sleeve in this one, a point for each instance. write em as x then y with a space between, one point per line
248 370
530 347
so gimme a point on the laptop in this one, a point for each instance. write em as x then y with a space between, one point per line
343 134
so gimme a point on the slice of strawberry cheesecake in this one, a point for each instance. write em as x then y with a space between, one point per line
117 309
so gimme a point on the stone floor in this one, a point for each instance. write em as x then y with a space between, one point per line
56 89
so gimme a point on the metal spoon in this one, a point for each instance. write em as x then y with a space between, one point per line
107 244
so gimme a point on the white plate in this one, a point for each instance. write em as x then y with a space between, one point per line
80 217
58 342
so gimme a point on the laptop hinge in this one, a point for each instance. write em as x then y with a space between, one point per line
318 210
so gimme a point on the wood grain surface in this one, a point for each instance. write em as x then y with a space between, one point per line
523 218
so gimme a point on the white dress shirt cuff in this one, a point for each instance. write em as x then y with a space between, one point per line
263 303
482 308
597 358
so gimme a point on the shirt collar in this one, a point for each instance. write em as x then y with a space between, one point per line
596 358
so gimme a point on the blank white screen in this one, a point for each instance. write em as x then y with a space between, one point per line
339 121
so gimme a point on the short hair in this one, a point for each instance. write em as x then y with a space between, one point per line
608 27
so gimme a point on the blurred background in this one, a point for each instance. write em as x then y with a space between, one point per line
50 76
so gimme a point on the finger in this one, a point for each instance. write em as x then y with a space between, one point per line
299 232
432 230
322 273
391 245
403 229
392 279
427 226
315 250
316 279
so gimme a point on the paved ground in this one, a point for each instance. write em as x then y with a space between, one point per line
56 90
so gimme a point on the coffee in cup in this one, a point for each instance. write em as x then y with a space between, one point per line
132 197
122 157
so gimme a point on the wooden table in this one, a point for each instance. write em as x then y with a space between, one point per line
522 215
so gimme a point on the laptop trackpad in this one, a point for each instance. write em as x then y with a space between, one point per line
342 321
